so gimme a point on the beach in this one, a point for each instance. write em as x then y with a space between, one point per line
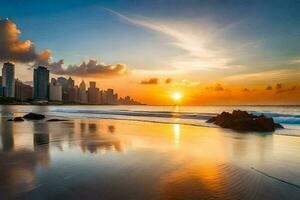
135 156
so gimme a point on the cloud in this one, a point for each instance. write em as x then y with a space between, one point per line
187 83
14 49
151 81
91 68
217 87
168 81
201 50
269 87
295 61
291 89
265 77
246 90
278 86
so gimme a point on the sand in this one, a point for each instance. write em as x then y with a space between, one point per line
120 159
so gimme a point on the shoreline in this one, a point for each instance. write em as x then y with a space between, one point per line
72 118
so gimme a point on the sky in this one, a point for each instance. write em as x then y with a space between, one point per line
212 52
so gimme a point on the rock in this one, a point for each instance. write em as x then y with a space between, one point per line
17 119
34 116
243 121
278 126
57 120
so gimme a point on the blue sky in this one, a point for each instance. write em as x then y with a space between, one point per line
185 37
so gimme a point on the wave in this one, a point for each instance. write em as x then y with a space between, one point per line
281 117
191 118
158 114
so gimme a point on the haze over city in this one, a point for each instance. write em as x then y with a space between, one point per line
150 51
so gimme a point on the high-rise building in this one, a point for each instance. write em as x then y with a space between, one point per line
71 83
63 82
41 84
55 91
110 96
93 93
23 92
72 93
115 98
8 79
82 97
1 88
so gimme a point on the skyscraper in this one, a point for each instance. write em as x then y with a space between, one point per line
82 97
1 88
110 96
55 91
23 92
41 83
71 83
8 79
93 93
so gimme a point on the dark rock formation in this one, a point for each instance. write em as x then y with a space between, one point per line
34 116
17 119
57 120
243 121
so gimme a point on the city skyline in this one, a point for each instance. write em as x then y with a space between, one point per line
60 90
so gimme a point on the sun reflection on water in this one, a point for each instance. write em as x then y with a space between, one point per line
176 131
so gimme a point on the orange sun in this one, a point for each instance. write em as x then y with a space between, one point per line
176 96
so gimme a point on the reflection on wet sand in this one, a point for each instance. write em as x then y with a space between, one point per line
17 164
212 180
95 141
18 161
7 136
135 160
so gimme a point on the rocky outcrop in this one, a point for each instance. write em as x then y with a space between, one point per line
34 116
16 119
243 121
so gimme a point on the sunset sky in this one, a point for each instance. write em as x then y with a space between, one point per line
212 52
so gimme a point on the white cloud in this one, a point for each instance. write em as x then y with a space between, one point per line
201 50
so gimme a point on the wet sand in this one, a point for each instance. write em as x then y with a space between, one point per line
119 159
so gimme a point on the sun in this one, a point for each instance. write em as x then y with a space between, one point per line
176 96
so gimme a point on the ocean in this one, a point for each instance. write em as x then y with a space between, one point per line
288 116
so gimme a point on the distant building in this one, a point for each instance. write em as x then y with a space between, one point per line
93 93
63 82
110 96
71 83
72 94
23 92
1 88
82 96
116 98
8 79
55 91
41 84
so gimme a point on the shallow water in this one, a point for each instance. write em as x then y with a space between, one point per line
288 116
120 159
